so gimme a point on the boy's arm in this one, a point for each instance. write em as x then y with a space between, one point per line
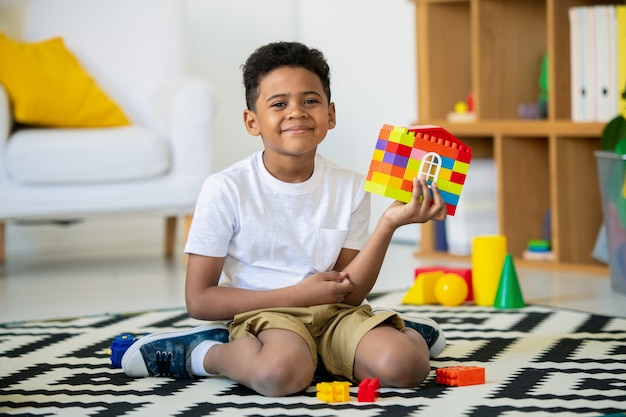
206 300
364 268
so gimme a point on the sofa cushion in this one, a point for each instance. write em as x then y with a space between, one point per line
82 156
48 87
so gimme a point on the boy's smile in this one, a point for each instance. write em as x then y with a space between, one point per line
292 116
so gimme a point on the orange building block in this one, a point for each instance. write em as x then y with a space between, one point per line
458 376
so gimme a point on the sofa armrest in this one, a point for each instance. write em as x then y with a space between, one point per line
6 120
186 117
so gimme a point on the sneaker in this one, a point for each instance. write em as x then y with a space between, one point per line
429 329
168 353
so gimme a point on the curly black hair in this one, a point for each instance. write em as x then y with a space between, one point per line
280 54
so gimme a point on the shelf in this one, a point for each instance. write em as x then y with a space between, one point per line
437 257
493 49
519 127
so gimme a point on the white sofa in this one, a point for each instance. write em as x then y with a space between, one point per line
135 51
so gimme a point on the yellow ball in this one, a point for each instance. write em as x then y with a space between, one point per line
460 107
451 290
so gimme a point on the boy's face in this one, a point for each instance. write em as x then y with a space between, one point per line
292 112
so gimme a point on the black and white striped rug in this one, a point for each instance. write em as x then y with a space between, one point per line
538 361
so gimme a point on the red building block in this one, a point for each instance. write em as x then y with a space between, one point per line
368 390
458 376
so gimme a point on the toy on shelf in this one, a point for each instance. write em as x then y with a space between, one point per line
458 376
333 392
463 111
401 154
538 250
369 390
119 346
539 109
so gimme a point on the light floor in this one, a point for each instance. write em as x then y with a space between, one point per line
117 278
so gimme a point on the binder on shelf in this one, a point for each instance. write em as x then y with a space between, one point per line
620 31
597 62
604 21
613 85
575 64
589 90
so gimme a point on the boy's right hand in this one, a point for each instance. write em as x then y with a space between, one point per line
422 207
324 288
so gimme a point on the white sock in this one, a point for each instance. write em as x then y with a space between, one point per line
197 357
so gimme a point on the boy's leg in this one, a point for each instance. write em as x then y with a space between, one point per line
358 343
275 363
399 358
169 353
427 328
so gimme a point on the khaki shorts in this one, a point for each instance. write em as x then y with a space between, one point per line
332 331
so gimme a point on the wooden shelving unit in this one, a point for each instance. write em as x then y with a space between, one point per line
493 49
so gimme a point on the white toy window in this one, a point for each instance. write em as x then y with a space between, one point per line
430 166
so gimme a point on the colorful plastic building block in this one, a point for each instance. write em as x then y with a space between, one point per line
465 273
369 390
119 346
333 392
458 376
403 153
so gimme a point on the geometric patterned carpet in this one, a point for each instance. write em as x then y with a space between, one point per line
538 361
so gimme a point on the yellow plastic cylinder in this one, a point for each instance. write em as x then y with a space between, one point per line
488 253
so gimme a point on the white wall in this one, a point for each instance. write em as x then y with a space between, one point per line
370 46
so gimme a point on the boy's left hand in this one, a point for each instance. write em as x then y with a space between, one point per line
422 207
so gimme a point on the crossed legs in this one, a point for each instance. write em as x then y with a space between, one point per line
278 362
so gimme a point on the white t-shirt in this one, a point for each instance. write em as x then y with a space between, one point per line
273 234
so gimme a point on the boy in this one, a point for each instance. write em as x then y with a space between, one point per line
279 248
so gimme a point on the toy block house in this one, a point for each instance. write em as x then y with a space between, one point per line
403 153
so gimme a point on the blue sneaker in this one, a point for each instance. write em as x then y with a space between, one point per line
427 328
168 353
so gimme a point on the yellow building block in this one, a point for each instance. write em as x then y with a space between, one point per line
454 188
414 164
423 289
375 188
380 178
443 184
333 392
461 167
378 155
410 174
398 194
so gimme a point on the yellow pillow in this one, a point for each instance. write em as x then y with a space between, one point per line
47 86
